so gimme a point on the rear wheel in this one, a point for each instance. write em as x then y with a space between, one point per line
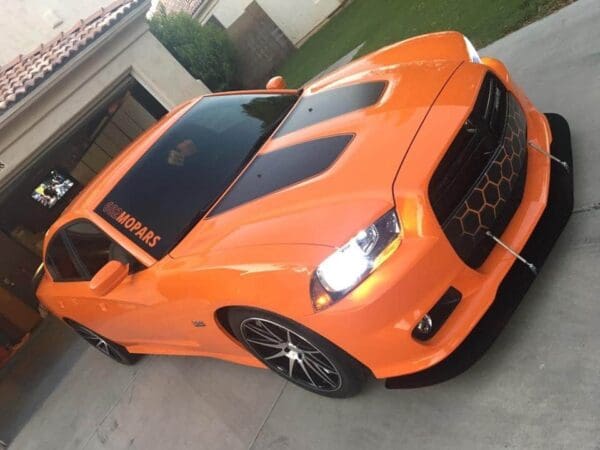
109 348
298 354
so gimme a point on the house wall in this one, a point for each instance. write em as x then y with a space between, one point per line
260 44
25 24
295 18
54 107
228 11
298 18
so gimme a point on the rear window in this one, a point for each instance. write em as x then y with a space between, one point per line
180 177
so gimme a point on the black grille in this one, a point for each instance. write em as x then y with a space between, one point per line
479 183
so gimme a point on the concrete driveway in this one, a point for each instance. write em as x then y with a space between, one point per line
537 387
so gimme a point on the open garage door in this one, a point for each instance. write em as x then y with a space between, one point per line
34 198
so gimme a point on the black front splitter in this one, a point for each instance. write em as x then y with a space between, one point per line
519 278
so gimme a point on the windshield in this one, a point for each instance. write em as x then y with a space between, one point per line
180 177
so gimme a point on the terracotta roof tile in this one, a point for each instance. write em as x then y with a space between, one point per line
26 72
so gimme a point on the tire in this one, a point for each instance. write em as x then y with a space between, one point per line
298 354
105 346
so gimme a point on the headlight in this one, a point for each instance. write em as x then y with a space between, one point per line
473 55
349 265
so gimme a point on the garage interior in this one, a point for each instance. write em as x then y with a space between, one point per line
76 158
68 108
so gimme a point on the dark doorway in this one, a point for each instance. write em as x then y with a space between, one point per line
32 201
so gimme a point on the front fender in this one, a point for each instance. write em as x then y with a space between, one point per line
271 277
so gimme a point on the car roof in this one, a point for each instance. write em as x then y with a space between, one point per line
88 199
97 189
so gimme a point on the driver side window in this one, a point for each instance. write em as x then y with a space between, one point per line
79 250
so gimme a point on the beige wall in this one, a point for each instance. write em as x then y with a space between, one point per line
228 11
48 112
25 24
296 18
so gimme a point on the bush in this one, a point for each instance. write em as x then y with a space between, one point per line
205 51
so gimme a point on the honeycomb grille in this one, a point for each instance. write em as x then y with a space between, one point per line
492 197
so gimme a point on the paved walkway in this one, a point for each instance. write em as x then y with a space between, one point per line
537 387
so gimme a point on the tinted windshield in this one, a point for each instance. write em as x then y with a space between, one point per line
175 183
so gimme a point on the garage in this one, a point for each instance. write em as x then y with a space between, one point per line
66 110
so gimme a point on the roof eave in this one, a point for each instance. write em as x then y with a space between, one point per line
16 109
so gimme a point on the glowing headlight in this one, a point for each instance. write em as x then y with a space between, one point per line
473 55
349 265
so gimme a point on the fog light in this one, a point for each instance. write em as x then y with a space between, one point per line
431 322
425 326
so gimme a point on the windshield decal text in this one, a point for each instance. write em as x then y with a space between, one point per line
130 223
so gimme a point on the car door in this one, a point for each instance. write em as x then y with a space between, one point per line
136 312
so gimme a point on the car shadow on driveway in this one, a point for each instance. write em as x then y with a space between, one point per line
34 373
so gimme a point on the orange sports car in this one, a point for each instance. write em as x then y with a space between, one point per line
359 226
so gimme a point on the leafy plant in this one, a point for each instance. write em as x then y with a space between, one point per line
205 51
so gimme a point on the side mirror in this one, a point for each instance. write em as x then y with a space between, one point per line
109 277
276 83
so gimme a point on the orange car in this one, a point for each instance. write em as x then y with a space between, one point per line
361 225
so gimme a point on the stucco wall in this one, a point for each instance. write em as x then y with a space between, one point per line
228 11
296 18
48 112
25 24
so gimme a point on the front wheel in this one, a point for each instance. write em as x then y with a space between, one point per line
298 354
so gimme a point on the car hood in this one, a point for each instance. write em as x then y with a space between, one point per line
351 193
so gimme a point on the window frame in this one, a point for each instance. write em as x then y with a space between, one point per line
80 267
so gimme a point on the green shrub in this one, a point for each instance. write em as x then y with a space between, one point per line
205 51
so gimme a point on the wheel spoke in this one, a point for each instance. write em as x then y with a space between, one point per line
101 344
262 334
265 344
103 347
276 355
291 367
304 345
310 379
86 334
320 372
268 330
317 359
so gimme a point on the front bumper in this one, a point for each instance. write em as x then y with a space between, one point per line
519 278
374 323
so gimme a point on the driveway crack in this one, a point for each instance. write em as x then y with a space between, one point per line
586 209
267 416
110 410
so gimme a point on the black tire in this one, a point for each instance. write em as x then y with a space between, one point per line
300 356
105 346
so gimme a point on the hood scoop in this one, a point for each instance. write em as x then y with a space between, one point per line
282 168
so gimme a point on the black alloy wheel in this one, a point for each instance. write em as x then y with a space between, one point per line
298 354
